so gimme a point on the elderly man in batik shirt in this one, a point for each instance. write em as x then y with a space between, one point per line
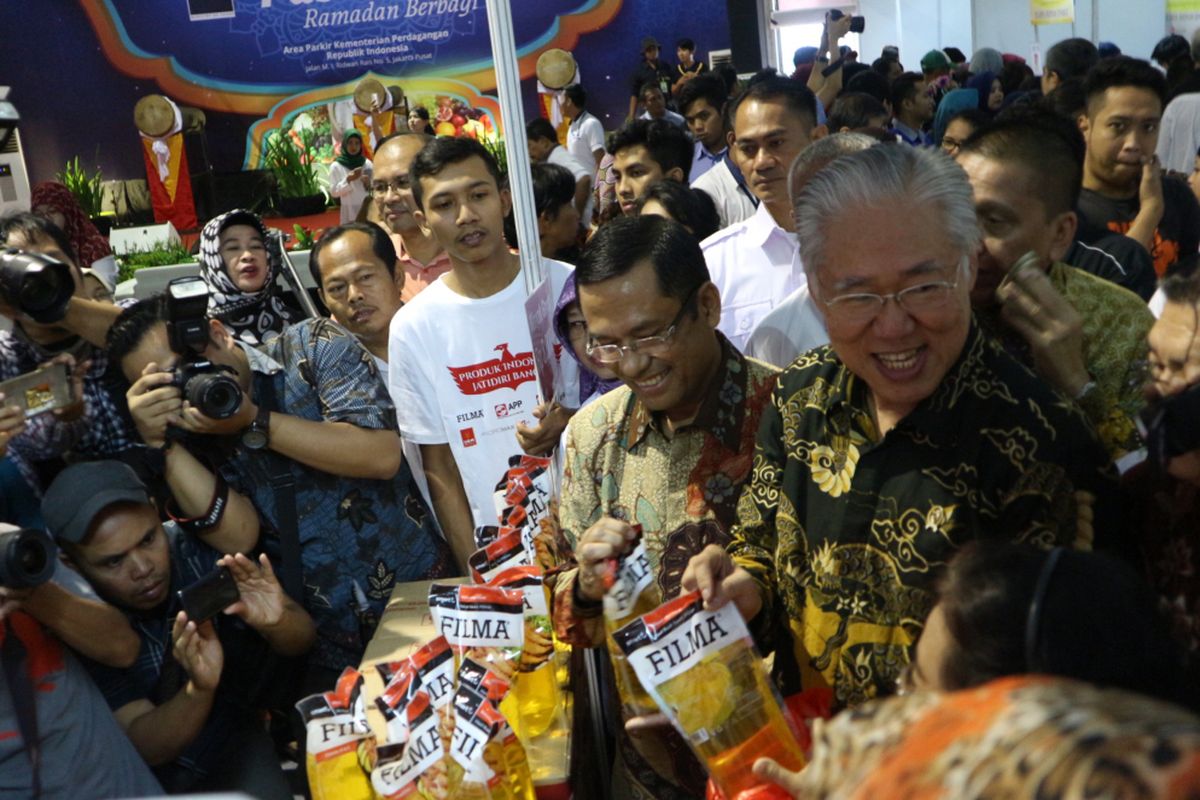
669 451
908 435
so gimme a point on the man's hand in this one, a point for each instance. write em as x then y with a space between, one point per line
12 600
262 598
719 581
193 421
12 424
767 769
604 541
545 437
1150 191
1052 327
74 411
198 651
154 404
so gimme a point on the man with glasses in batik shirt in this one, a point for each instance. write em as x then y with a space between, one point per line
669 451
907 436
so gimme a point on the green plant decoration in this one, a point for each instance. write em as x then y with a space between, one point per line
161 256
85 187
292 163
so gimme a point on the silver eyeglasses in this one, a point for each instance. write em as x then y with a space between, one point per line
862 307
397 185
647 345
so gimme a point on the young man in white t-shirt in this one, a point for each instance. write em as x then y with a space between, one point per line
544 147
460 355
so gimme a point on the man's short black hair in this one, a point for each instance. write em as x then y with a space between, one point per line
883 65
668 145
1182 284
1067 100
649 86
381 245
441 153
955 55
577 95
854 110
691 208
540 128
553 188
1071 58
872 83
904 88
132 326
686 44
1121 71
977 118
793 95
707 87
620 245
1049 146
728 74
29 226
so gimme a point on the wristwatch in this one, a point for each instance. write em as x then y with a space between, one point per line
258 435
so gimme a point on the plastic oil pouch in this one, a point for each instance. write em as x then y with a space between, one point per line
488 761
336 726
538 707
418 768
486 534
703 671
505 552
481 622
631 593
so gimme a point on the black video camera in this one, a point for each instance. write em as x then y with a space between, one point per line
26 557
857 24
207 386
39 286
1171 426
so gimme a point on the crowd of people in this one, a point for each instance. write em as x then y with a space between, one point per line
904 364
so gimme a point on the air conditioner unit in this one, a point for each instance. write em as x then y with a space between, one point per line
718 57
14 178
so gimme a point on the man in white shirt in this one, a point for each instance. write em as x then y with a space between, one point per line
796 325
756 263
702 101
544 147
655 104
585 135
726 185
460 355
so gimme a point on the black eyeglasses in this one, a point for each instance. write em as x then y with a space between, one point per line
648 346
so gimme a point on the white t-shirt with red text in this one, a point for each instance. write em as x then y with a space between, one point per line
461 371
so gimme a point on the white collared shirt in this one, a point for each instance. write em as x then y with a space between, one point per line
754 264
734 204
563 158
793 327
703 161
585 136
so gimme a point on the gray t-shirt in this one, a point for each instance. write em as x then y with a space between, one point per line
84 751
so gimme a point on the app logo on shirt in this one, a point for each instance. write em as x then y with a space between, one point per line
468 437
512 407
504 371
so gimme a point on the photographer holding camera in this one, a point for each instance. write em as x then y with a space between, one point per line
308 438
183 703
42 291
1164 491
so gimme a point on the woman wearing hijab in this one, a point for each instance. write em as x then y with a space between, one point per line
240 263
350 176
56 203
953 103
989 89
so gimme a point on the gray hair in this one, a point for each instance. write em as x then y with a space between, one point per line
895 176
820 154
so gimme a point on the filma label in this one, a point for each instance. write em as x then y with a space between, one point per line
667 649
633 576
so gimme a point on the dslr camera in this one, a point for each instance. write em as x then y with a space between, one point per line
209 387
26 557
857 24
39 286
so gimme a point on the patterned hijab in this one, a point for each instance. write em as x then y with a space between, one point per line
589 382
90 246
253 317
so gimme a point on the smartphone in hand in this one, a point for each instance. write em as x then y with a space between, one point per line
209 596
39 391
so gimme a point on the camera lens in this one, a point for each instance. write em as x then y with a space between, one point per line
26 558
217 396
40 291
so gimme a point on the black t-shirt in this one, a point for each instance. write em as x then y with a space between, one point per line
1177 235
658 73
1116 258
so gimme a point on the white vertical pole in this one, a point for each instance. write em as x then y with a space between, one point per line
520 178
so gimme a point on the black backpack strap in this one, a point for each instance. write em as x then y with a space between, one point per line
283 484
23 693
